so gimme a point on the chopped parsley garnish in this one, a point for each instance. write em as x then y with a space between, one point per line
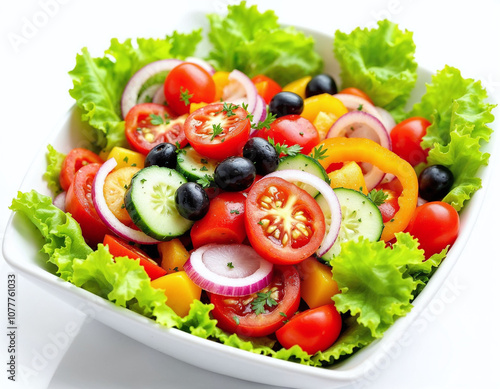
217 130
319 153
261 301
157 120
205 181
285 149
185 96
378 196
266 123
360 108
236 320
204 161
230 265
235 211
203 169
125 159
228 109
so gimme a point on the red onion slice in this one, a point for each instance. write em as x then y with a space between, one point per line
159 97
359 124
202 63
259 113
228 270
105 213
328 194
131 91
356 103
240 89
60 201
149 93
386 119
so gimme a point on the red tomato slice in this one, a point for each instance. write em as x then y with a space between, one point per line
119 248
188 83
390 205
284 223
217 133
313 330
239 314
224 222
266 87
75 159
292 130
356 92
79 204
406 138
435 225
149 124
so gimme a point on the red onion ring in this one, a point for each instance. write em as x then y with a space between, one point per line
386 119
259 113
240 89
60 201
149 92
134 85
353 103
202 63
330 198
105 213
228 270
159 97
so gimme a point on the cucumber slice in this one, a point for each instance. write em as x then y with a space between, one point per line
360 217
193 165
150 202
307 164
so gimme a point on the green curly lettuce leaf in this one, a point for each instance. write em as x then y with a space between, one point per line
98 83
376 282
380 62
255 43
459 118
55 160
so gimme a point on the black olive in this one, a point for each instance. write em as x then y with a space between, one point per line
163 154
262 154
235 174
435 182
286 103
191 201
322 83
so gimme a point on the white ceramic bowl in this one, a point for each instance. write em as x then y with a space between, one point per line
22 243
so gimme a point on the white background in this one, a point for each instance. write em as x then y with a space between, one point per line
459 346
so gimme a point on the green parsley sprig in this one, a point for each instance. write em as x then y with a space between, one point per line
263 299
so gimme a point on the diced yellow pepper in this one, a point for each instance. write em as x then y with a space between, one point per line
221 80
173 255
298 86
180 291
322 103
323 122
194 106
317 287
125 157
349 176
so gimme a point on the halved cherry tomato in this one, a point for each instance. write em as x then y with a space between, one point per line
224 222
120 248
390 205
218 133
292 130
406 138
313 330
188 83
75 159
284 223
356 92
149 124
435 225
266 87
242 316
79 204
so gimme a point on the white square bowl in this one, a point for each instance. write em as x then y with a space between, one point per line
22 243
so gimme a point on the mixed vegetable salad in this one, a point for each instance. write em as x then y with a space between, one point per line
246 198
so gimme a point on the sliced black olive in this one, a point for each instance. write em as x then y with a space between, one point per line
322 83
163 154
435 182
235 174
262 154
191 201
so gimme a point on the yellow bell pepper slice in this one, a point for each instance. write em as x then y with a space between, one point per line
173 255
180 291
317 287
323 103
365 150
323 122
298 86
221 80
126 158
349 176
